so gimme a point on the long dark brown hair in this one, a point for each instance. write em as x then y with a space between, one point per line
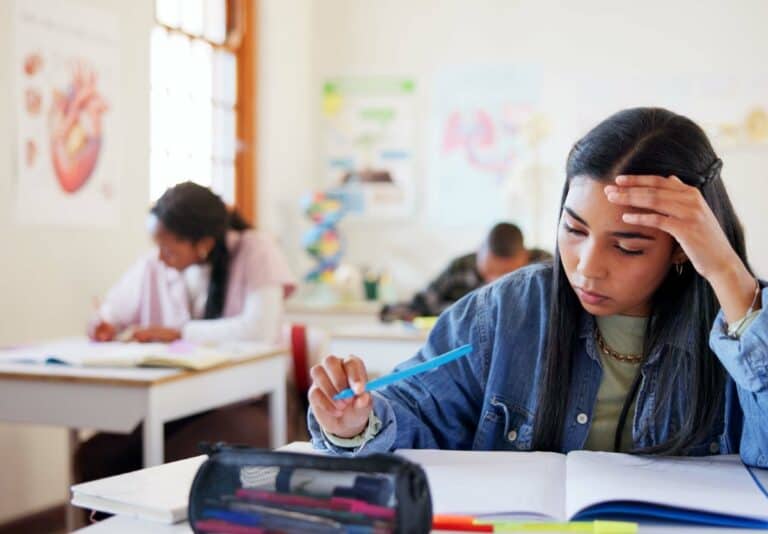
659 142
193 212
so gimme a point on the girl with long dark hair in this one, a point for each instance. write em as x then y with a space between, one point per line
211 279
645 334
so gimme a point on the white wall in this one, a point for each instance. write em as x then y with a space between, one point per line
285 119
49 275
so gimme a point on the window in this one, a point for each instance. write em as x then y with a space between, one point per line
194 105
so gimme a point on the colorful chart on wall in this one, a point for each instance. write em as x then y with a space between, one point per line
485 127
68 156
368 131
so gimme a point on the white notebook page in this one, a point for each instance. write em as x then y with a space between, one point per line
718 484
495 483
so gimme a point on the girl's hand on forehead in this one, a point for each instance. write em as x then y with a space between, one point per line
681 211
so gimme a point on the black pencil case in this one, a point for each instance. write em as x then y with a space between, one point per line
244 490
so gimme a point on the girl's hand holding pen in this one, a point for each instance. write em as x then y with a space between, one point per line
343 418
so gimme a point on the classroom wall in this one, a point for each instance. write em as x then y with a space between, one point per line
285 120
595 40
49 275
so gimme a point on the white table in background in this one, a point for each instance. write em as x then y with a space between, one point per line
381 346
116 400
329 316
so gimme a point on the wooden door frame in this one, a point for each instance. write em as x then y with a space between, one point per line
246 162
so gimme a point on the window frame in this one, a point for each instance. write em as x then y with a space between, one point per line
241 40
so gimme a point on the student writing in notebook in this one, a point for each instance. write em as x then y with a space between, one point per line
211 279
647 333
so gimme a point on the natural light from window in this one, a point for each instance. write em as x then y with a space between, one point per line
193 98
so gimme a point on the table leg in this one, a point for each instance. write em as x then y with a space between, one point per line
277 415
73 440
153 441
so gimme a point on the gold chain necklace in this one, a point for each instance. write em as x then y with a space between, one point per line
608 351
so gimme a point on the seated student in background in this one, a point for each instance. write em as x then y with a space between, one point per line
502 251
647 334
211 279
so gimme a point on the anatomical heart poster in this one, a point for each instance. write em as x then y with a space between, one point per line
68 149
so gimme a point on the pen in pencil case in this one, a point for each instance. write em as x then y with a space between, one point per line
375 489
250 510
372 488
430 364
218 526
355 506
272 518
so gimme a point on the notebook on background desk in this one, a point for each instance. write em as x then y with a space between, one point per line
584 485
83 352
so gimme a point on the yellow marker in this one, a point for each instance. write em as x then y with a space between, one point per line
593 527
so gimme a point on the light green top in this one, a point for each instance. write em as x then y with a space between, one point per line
623 334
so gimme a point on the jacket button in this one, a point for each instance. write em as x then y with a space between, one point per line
714 447
582 419
512 435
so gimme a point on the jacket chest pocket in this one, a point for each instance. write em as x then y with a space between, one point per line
510 427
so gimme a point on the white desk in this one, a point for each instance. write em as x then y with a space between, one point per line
116 400
380 346
329 316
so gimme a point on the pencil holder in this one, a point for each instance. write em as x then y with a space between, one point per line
242 490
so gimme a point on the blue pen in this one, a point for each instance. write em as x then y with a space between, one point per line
416 369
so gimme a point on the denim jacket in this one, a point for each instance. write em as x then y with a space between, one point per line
487 400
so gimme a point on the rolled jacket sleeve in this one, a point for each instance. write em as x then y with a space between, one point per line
746 360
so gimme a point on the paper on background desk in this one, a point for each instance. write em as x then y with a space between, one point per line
80 351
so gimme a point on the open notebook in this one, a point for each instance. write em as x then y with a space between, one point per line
81 351
713 490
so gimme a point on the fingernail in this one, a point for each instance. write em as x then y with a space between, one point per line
610 189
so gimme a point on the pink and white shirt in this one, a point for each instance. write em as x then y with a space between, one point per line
153 294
